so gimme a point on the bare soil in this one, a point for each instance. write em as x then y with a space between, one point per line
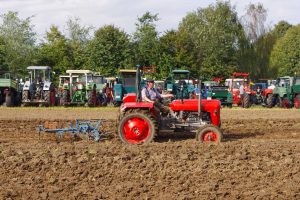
259 159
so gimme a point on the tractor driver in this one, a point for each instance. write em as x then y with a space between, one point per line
150 94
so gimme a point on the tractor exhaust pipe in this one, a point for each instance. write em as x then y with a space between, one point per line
138 83
199 99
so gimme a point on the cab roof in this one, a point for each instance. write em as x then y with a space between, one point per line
180 71
79 71
128 70
39 67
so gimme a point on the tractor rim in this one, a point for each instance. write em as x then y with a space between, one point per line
210 136
296 103
136 130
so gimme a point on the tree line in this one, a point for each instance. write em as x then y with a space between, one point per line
210 42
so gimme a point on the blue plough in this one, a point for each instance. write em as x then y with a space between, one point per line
85 127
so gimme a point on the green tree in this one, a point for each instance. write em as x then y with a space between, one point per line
263 48
55 51
78 37
285 57
210 38
3 65
76 32
145 41
280 29
19 40
108 51
261 41
168 52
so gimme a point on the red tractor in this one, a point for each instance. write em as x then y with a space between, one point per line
234 84
140 122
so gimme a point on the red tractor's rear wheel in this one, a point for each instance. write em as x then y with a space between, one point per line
209 133
137 127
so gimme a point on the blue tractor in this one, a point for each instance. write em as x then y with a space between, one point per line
180 85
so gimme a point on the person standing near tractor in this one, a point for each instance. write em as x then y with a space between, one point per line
150 94
242 93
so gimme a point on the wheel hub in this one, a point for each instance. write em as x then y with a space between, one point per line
210 137
136 130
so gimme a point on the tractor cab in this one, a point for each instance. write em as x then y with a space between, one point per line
64 81
285 81
238 79
139 121
180 85
39 73
283 85
125 85
287 92
10 89
38 88
80 89
213 90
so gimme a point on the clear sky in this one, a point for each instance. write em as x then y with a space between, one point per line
123 13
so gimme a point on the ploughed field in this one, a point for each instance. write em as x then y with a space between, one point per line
259 158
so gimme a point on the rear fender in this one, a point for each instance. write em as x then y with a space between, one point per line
266 92
136 105
26 85
46 86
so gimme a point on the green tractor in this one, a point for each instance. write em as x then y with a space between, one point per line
180 85
9 90
81 88
125 84
287 92
213 90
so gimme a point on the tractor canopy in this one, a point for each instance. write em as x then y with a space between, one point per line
125 84
180 85
41 73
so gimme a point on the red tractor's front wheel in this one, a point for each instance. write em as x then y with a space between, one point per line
137 127
209 133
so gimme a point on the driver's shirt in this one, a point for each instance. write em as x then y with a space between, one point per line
152 94
241 89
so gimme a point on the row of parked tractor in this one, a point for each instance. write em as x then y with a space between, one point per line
283 92
88 88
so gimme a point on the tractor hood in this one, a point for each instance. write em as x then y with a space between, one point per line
210 106
192 105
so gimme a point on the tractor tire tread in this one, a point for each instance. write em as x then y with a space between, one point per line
246 101
216 129
269 101
138 112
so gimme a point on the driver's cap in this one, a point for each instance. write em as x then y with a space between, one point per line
149 80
